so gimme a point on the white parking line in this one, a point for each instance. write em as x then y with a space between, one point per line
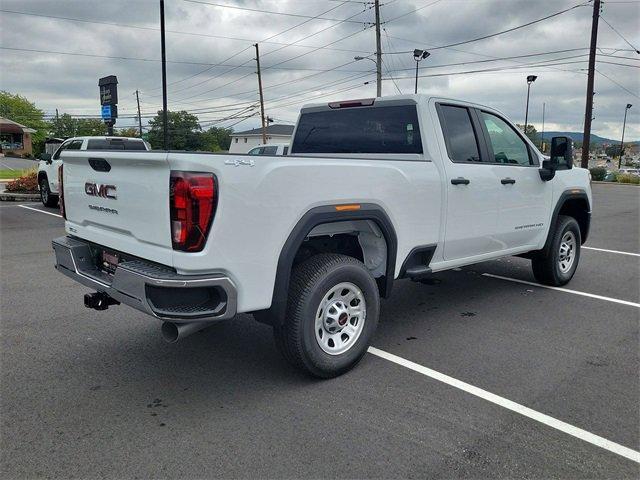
611 251
566 290
41 211
513 406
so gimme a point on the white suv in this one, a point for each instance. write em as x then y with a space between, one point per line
49 164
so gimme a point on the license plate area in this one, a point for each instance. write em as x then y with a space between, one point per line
108 261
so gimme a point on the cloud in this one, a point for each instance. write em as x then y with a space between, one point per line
294 74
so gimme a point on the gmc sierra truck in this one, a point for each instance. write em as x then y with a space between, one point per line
373 191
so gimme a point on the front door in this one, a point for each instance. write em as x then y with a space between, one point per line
523 197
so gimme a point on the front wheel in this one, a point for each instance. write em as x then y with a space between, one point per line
557 267
332 314
47 198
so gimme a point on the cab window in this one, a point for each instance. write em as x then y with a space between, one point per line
459 134
256 151
62 147
270 150
507 146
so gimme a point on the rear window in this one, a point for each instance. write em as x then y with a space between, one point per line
392 129
115 144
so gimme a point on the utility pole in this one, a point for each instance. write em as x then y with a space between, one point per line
165 115
378 52
139 116
264 131
58 123
624 124
542 135
588 113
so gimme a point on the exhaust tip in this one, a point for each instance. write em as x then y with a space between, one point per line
170 332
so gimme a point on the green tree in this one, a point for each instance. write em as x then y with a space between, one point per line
185 132
67 126
90 127
531 132
128 132
62 126
21 110
221 136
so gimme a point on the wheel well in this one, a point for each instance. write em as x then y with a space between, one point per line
361 239
577 208
365 233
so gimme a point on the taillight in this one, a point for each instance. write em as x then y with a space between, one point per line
192 200
61 191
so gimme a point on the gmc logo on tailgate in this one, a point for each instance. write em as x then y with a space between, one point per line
100 190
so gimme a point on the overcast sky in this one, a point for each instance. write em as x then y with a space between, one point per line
211 69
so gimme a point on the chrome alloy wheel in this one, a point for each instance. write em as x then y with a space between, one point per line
567 252
44 191
340 318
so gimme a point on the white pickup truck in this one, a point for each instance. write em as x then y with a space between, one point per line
49 164
372 191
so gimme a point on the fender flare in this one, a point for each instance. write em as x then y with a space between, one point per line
567 195
314 217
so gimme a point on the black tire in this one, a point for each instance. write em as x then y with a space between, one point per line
311 281
547 267
48 199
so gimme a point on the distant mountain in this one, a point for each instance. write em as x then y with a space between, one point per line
577 137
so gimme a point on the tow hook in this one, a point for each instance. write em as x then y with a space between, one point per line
99 301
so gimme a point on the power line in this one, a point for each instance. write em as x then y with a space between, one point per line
618 84
619 34
484 37
270 12
176 32
250 46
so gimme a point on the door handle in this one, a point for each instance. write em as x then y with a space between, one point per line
460 181
507 181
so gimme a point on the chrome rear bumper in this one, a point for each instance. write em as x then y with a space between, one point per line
151 288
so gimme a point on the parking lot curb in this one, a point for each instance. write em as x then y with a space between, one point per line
19 197
614 183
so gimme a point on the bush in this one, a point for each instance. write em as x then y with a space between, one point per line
598 173
627 178
27 183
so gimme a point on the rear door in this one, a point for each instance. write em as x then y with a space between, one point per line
472 194
120 199
524 199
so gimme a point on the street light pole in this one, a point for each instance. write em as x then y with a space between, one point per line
165 115
624 124
530 80
417 56
542 135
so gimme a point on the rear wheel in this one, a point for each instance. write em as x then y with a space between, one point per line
332 314
47 198
558 266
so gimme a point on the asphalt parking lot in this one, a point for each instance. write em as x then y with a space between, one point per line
90 394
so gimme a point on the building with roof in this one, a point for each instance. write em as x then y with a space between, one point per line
15 138
242 142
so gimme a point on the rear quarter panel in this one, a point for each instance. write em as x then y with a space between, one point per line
259 205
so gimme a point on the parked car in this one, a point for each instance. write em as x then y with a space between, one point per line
49 164
610 177
270 149
629 171
373 191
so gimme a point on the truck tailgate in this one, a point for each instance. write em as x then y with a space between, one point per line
120 200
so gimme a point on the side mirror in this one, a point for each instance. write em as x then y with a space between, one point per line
562 152
45 157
